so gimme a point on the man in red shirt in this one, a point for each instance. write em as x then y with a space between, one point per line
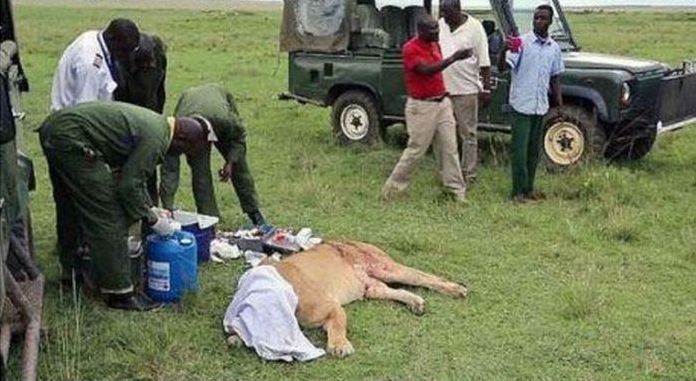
429 117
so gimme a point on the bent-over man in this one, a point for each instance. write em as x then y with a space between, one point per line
88 69
215 107
99 156
428 112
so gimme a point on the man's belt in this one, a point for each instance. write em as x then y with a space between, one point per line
437 98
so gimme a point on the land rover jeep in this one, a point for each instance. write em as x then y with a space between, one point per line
347 54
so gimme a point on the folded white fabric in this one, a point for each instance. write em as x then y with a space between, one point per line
224 250
262 314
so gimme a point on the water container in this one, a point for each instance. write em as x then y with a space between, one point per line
172 267
202 227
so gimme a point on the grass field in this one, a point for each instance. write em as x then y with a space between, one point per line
597 283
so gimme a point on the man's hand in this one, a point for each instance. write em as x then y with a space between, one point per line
225 172
165 226
485 98
462 54
161 212
560 114
513 44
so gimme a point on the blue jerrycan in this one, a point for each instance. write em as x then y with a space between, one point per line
172 266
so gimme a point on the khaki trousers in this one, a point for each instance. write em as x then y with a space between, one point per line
429 123
466 114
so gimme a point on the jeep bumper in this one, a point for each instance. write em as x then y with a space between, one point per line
677 105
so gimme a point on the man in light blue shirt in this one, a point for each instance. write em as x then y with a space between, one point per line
536 63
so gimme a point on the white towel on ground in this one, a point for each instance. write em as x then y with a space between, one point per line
262 313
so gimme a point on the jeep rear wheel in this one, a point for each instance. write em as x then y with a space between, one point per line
356 118
571 136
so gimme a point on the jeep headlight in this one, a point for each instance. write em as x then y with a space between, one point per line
625 94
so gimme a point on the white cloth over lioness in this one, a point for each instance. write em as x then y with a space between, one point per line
262 313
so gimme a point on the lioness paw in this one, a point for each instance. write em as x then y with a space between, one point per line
459 291
341 350
417 307
235 341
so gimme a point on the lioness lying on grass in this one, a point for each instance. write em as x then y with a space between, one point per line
333 274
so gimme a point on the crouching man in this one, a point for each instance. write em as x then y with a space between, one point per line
100 155
214 106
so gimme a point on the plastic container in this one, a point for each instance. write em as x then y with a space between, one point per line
172 267
202 227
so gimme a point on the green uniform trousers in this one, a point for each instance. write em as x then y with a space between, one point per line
526 136
202 183
87 212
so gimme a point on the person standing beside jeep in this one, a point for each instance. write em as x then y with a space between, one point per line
536 63
467 81
429 117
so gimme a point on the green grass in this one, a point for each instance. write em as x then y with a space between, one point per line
596 283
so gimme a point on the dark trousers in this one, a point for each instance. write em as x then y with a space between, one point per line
87 212
526 141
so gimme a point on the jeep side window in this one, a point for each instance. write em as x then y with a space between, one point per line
371 33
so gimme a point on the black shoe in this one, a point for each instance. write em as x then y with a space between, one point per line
257 218
132 302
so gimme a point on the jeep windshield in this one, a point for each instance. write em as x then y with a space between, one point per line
523 12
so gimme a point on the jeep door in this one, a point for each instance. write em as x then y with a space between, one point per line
496 117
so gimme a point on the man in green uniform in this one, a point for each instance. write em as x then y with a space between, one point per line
100 155
215 107
141 82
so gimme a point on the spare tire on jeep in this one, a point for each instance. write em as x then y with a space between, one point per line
356 118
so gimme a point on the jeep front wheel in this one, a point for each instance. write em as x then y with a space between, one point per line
356 118
571 136
631 141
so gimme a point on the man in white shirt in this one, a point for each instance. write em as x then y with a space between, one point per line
87 71
467 81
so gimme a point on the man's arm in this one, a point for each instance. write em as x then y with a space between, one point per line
431 69
237 131
89 84
485 95
557 67
502 59
161 51
484 61
131 190
556 90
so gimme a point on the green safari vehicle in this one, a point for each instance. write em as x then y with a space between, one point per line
347 54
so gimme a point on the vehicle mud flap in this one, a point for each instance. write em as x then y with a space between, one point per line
7 123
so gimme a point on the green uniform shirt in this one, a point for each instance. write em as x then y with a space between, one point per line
216 104
128 138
